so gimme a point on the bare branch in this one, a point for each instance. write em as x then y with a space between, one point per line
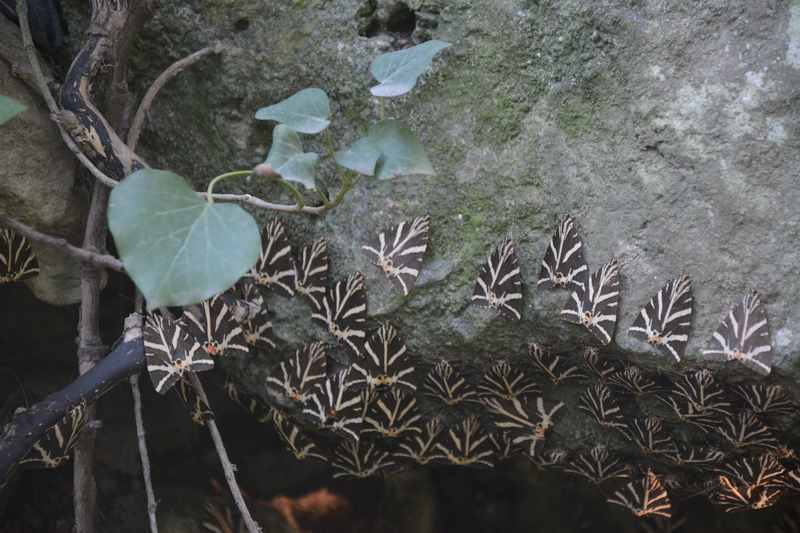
152 504
227 466
87 256
170 72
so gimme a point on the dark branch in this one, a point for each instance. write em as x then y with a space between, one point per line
87 256
28 426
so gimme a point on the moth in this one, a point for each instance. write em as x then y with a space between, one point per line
251 403
170 352
466 444
598 402
17 260
646 497
399 251
745 430
750 483
525 426
338 405
598 466
448 385
274 268
667 318
499 285
198 409
649 435
596 307
344 312
296 442
393 415
563 265
55 446
769 400
301 375
554 367
421 448
360 459
506 382
211 323
257 327
387 363
311 276
744 336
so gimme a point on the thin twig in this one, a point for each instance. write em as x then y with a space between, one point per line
227 466
41 82
152 504
84 255
249 199
170 72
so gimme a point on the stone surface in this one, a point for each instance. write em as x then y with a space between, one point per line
669 129
37 178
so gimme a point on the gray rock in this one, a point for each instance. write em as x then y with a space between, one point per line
668 129
37 179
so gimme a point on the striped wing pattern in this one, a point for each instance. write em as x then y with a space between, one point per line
744 336
211 323
421 447
55 446
499 284
344 312
298 443
448 385
526 428
506 382
251 403
667 318
360 459
311 278
646 497
393 415
17 260
275 268
170 352
198 409
563 265
466 444
599 402
597 307
750 483
598 466
399 251
257 327
387 363
302 374
337 405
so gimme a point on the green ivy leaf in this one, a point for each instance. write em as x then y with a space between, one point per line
306 111
398 71
287 158
178 248
9 108
401 152
362 156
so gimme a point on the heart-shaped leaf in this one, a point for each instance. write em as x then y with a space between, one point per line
178 248
362 156
306 111
401 152
8 108
398 71
287 158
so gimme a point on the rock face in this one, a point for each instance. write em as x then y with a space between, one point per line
37 177
668 129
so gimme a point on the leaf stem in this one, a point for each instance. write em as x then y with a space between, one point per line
381 109
232 174
298 197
